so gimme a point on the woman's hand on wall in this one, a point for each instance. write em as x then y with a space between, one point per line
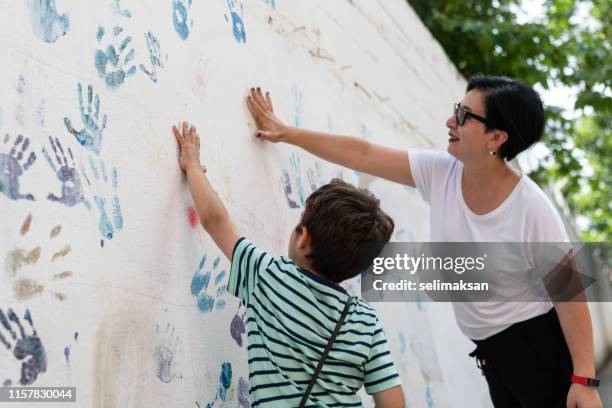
269 127
189 143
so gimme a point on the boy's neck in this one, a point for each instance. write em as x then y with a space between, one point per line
308 266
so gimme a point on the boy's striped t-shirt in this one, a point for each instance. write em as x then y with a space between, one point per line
291 315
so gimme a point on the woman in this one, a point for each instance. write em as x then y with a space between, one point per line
533 354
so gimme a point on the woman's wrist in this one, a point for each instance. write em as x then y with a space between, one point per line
290 135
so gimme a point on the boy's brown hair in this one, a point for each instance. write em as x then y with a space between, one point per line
348 229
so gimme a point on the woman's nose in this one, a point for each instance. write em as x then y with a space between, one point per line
451 122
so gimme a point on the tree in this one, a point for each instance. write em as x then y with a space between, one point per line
569 46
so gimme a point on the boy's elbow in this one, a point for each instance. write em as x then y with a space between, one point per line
212 222
390 398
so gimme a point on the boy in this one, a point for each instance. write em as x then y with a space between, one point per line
293 303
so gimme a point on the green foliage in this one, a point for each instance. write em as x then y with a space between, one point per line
568 46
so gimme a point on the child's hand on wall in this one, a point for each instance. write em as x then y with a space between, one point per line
189 143
269 127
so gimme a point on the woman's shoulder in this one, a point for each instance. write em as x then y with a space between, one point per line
435 161
533 195
541 213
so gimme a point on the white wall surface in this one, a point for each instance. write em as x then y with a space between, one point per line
116 317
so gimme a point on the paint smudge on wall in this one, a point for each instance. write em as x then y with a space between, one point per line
296 96
238 28
192 217
13 164
20 105
419 302
225 381
47 23
271 3
124 344
66 173
429 397
119 11
165 353
40 113
180 17
198 84
243 393
105 190
238 327
200 284
111 66
90 136
68 349
402 343
154 56
27 348
16 259
330 124
20 111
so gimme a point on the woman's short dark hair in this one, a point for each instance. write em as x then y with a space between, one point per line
514 107
347 227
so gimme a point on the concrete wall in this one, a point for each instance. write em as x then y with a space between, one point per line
99 239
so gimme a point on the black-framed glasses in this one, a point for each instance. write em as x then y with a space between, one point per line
462 113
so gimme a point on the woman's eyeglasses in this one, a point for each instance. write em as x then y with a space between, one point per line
461 114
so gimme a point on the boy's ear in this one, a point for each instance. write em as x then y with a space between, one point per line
303 238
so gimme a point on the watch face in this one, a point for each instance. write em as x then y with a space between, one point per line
593 382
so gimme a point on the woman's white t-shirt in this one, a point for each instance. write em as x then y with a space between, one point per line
527 215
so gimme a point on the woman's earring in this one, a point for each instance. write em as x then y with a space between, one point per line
492 152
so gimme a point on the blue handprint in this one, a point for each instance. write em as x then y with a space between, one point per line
296 169
154 56
288 190
12 167
199 287
296 95
48 24
314 176
237 21
292 182
27 347
90 136
100 186
225 381
180 9
72 192
109 64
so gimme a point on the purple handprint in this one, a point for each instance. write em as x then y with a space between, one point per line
27 347
12 166
72 191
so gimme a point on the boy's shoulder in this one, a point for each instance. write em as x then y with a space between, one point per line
364 314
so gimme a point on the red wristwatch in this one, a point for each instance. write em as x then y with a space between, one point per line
591 382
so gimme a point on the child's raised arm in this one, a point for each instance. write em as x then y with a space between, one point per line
214 217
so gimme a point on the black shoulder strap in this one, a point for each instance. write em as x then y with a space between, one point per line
326 352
